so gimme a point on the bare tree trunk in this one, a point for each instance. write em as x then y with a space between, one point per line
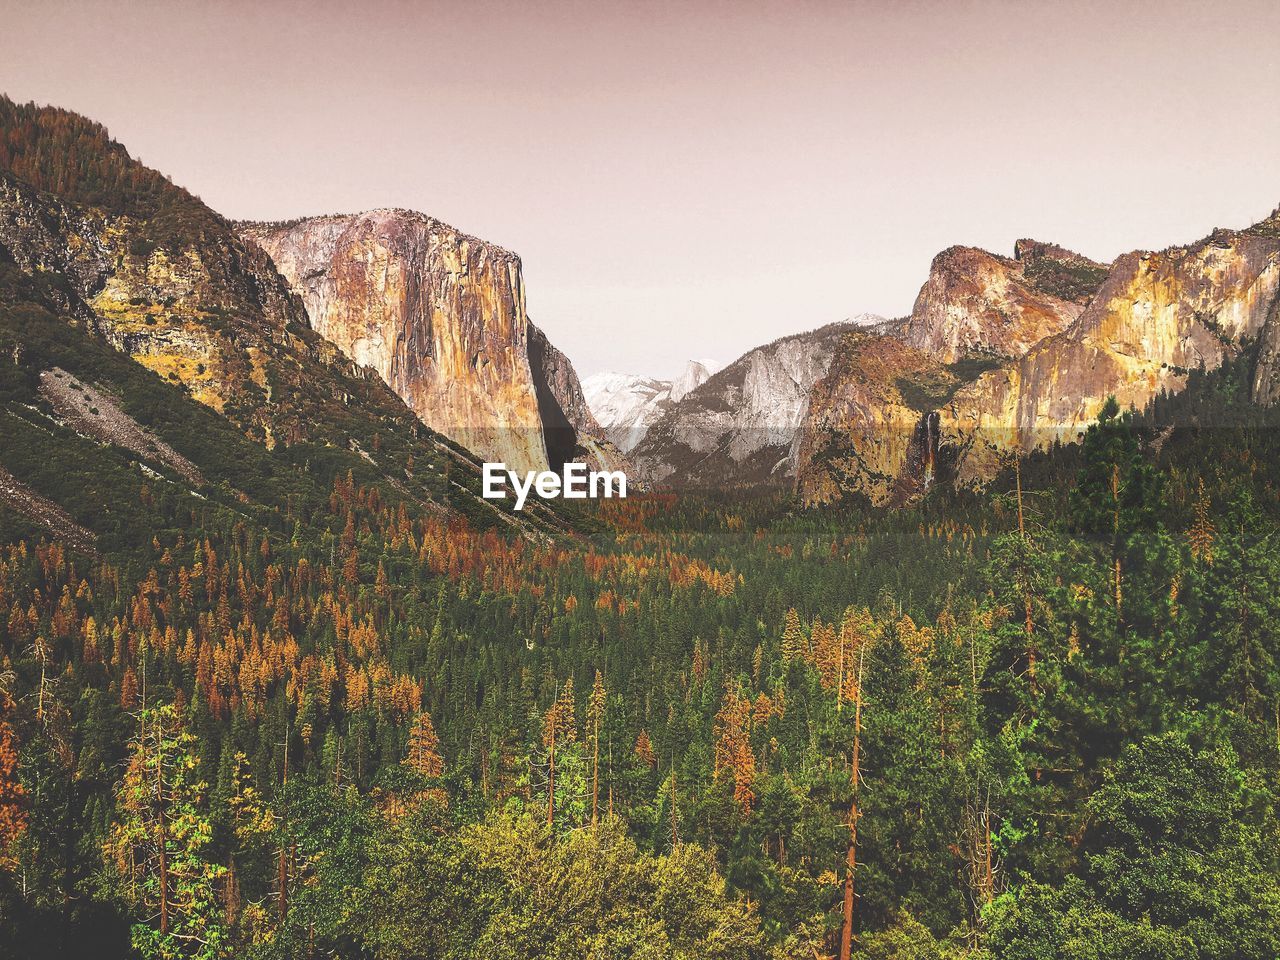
595 774
551 781
851 858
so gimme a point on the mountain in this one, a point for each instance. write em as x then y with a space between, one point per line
1157 317
568 425
739 426
867 418
977 301
101 257
626 405
694 375
1015 355
438 314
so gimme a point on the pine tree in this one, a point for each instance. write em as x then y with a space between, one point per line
595 716
1202 533
423 756
161 843
644 750
794 643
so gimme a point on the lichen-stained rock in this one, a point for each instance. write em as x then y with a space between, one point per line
1156 317
438 314
977 301
211 313
866 420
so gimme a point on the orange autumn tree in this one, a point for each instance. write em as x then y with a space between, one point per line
423 756
13 814
733 753
644 750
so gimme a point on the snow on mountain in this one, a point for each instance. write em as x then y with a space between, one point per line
626 404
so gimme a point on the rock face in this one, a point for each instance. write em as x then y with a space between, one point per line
570 429
694 375
438 314
205 311
867 419
626 405
1157 317
739 426
976 301
1153 319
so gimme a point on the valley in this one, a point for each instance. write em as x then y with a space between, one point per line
952 635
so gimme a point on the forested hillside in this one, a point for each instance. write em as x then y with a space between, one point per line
366 731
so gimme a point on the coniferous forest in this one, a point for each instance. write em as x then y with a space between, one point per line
308 712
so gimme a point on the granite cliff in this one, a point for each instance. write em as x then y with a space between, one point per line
1009 356
977 301
1156 317
438 314
739 426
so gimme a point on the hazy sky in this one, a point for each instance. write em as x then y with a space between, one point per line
692 179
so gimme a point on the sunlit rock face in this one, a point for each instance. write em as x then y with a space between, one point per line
212 314
1157 317
438 314
977 301
1141 330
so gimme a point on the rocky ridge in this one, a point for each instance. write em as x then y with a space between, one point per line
1133 333
626 405
739 427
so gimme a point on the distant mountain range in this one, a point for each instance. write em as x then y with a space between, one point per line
626 405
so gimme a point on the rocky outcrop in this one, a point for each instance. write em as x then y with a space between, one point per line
977 301
210 314
438 314
739 427
866 419
1155 318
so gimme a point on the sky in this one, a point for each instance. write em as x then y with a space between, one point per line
691 179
